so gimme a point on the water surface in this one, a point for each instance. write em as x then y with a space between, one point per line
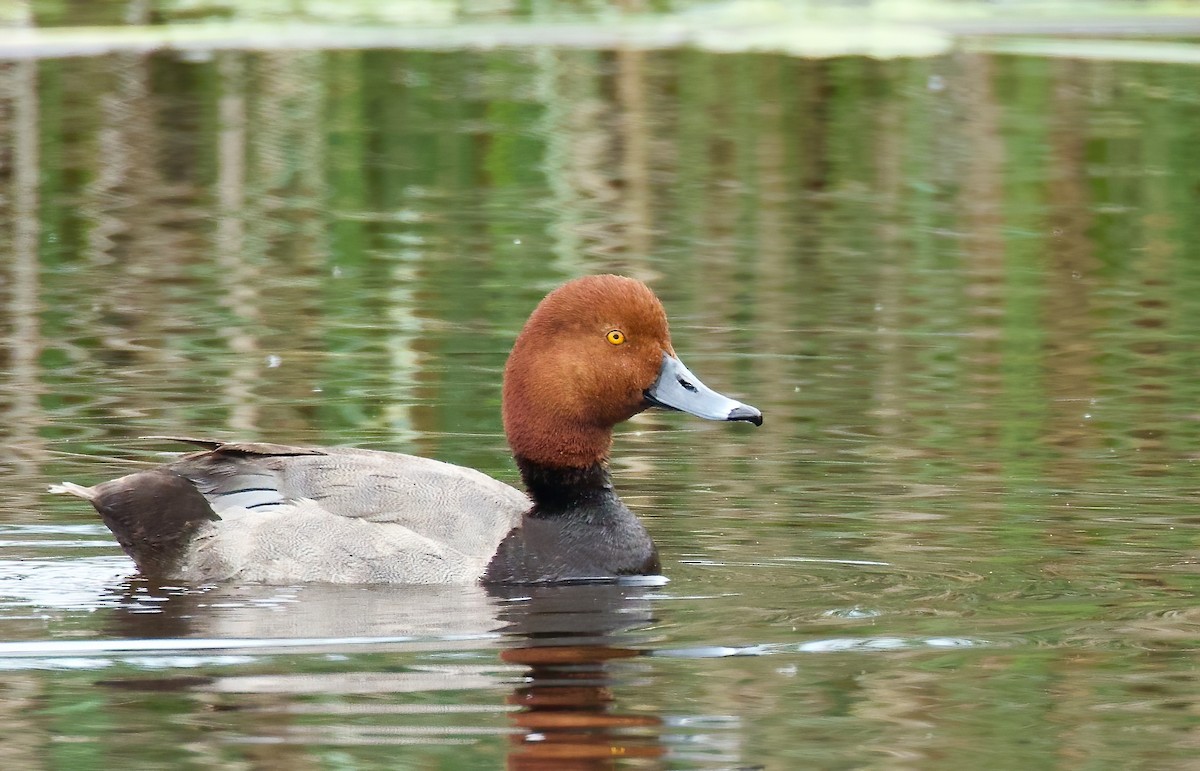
964 290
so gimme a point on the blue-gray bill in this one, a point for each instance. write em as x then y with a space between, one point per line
678 389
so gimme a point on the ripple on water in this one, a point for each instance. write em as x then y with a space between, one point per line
827 645
84 584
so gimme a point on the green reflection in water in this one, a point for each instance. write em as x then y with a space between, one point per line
964 291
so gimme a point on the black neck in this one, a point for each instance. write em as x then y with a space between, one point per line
556 491
578 529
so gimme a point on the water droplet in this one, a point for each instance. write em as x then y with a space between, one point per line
517 241
936 83
273 361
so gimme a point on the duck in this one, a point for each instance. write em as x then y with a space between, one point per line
595 352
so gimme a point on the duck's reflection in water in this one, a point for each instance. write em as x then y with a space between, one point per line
412 666
578 644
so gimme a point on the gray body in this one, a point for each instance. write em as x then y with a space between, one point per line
267 513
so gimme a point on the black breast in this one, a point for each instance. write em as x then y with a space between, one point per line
578 529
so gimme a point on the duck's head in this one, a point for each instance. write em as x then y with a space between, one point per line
597 351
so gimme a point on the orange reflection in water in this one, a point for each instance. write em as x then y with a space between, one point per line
567 720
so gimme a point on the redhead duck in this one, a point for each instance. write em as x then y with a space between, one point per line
595 352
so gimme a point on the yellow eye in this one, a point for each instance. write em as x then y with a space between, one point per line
615 336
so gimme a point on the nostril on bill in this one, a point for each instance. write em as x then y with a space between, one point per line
687 386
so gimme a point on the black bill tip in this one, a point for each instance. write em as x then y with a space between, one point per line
747 413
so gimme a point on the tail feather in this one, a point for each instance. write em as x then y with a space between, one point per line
154 515
70 488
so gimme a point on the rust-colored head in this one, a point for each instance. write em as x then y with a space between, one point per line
581 365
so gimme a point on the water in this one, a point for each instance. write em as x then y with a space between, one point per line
965 291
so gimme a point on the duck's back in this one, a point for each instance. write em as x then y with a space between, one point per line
281 514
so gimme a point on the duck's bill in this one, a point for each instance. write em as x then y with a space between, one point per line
678 389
